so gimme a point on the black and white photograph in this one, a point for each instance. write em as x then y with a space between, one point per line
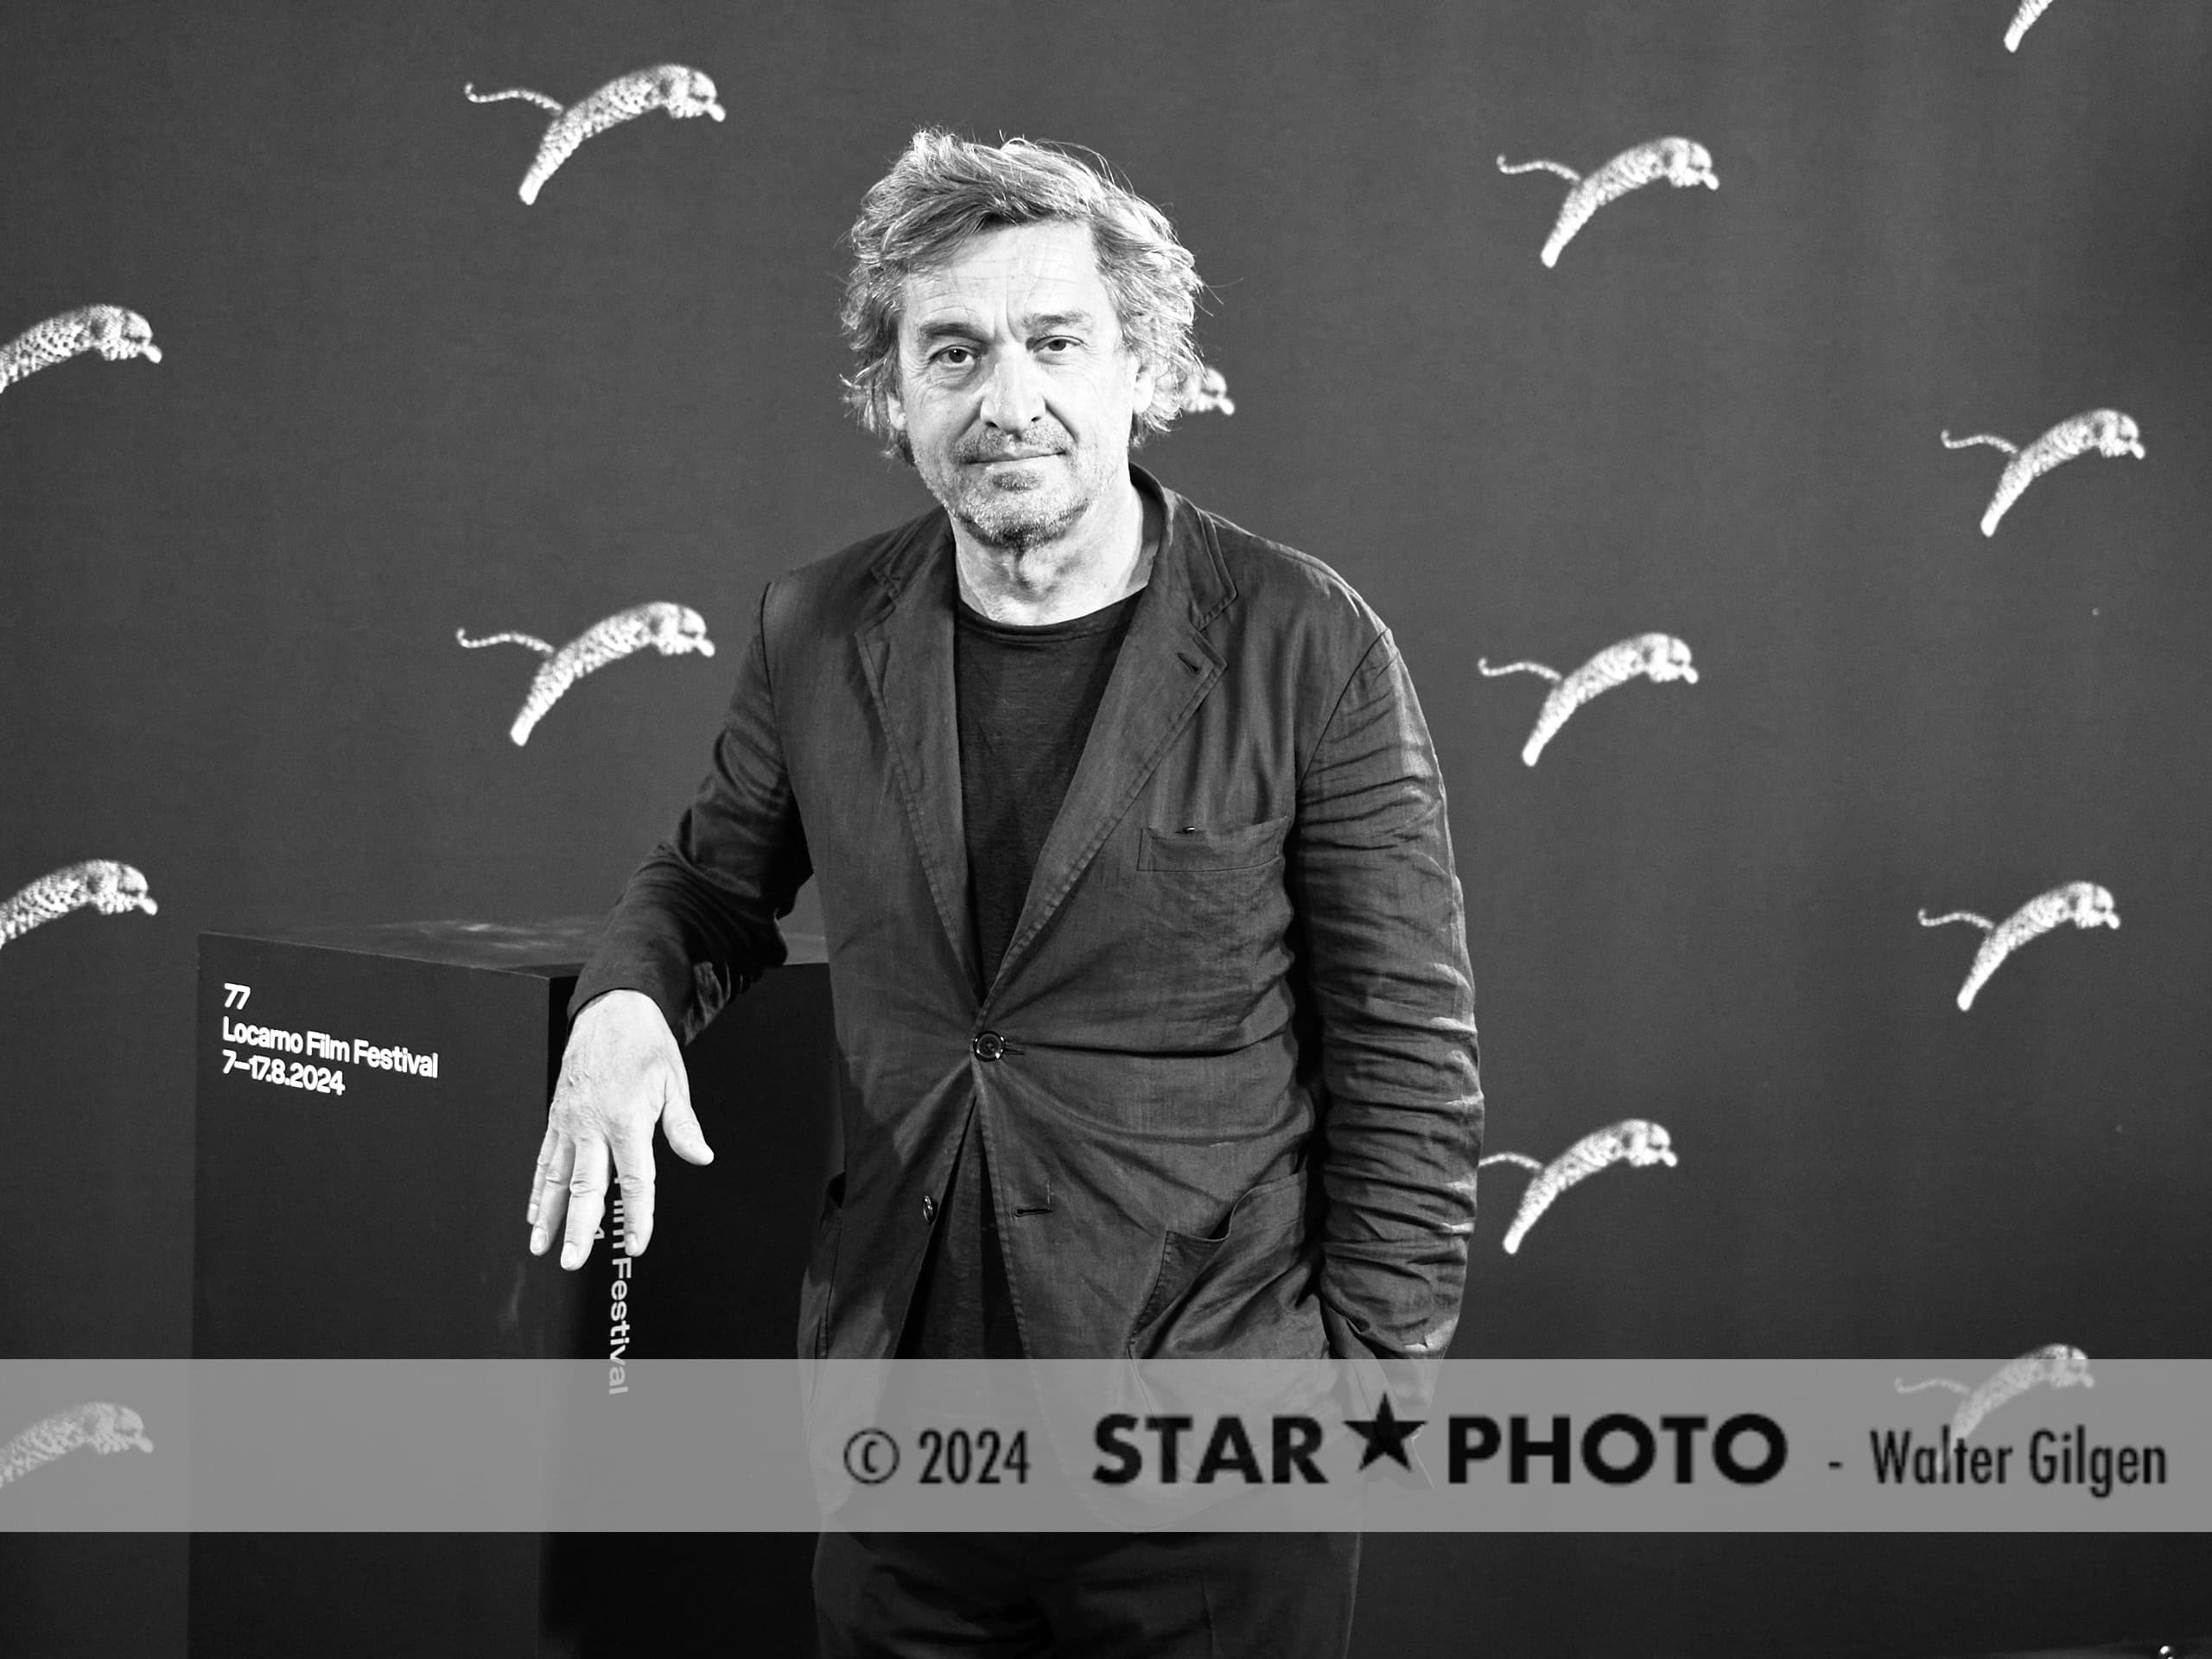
800 708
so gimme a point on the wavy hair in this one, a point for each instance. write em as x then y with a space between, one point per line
944 189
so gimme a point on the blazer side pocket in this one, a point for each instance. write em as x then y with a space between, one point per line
1199 848
1268 1209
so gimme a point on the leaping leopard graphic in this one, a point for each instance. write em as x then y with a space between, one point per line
1657 657
2082 903
1634 1141
682 93
1209 391
2023 21
2106 431
1681 162
2057 1364
112 332
672 630
96 1423
109 888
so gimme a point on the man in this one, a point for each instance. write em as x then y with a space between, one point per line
1147 948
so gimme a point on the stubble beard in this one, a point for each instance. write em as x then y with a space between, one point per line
1011 522
1017 514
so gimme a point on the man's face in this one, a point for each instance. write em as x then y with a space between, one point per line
1015 391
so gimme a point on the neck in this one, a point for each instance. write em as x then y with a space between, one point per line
1104 558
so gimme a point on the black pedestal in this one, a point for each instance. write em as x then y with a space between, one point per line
370 1103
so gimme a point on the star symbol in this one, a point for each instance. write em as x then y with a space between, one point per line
1386 1434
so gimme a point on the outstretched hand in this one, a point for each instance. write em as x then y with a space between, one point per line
621 1073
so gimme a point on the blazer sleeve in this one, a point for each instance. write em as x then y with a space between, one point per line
1380 910
698 922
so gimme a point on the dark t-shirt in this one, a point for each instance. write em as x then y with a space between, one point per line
1026 699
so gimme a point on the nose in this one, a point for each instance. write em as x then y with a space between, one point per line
1013 392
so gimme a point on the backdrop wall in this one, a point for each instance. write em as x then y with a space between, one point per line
394 401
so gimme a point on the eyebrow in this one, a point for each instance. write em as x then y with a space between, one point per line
1053 322
1047 323
950 330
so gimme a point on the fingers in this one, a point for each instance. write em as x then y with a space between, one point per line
587 1200
545 1149
634 1157
549 1201
679 1122
633 1165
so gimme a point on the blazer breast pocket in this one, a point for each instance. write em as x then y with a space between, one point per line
1200 848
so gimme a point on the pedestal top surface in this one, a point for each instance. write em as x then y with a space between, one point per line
554 946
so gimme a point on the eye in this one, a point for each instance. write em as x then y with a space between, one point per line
952 357
1060 345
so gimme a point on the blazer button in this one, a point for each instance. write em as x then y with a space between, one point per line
990 1045
929 1209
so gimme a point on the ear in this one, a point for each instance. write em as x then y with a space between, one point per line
1144 384
894 411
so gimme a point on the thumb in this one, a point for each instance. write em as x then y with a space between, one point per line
679 1123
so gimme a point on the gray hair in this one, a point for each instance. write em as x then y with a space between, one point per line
944 190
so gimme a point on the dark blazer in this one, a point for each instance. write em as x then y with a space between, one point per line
1225 1077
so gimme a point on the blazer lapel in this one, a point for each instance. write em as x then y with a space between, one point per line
1165 667
907 652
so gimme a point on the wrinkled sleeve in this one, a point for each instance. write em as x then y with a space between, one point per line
698 922
1381 912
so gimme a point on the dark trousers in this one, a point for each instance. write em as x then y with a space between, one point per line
1166 1595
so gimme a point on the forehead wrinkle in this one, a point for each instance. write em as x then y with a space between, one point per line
1057 272
961 319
